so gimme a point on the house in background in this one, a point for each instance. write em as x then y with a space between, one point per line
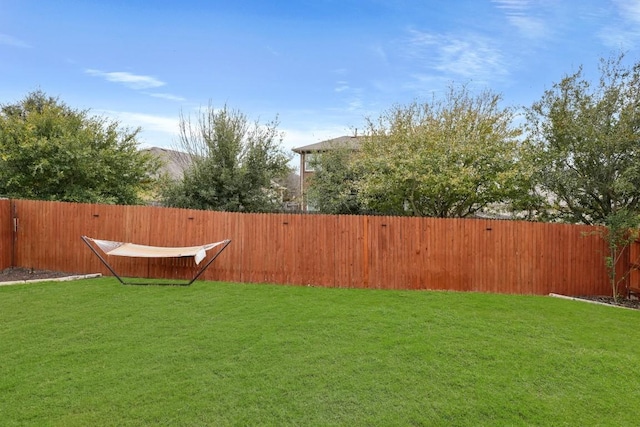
175 163
289 191
309 151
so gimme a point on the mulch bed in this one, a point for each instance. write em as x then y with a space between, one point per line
622 302
20 273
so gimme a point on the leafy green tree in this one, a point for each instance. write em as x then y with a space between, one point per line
333 186
587 142
234 163
452 157
50 151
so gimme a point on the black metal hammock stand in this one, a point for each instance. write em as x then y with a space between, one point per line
111 248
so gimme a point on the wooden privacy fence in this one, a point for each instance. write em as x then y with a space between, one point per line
319 250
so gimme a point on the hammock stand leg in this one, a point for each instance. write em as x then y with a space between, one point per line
213 258
106 264
101 258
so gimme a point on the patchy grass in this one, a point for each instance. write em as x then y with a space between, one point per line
94 352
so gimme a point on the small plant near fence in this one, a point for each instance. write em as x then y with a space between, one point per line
619 232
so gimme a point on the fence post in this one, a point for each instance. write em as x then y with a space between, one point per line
14 231
365 250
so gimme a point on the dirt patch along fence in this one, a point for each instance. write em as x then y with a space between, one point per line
318 250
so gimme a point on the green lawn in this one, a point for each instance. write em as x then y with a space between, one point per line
94 352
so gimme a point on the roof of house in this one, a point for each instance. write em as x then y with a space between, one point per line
351 142
174 162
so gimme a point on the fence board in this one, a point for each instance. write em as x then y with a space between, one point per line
6 234
321 250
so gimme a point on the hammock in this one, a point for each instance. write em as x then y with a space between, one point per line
198 253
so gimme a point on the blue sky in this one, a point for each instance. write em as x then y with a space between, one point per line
320 66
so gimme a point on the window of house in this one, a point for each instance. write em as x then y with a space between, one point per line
308 162
310 207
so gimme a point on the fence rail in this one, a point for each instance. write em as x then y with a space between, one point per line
319 250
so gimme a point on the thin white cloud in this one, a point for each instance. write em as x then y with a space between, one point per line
622 31
133 81
379 53
167 96
148 122
618 39
512 6
471 56
351 99
155 130
521 15
341 86
354 105
629 9
425 83
529 26
273 51
8 40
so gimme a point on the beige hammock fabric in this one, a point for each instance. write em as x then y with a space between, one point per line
142 251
